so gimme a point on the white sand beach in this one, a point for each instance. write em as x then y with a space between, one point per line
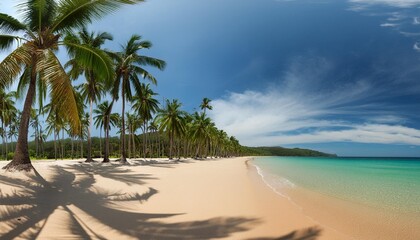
212 199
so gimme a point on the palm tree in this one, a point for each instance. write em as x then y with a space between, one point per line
171 121
200 130
43 26
129 66
93 88
7 114
133 123
54 124
153 127
205 104
146 105
103 119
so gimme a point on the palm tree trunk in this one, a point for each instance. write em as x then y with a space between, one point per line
133 144
171 141
129 139
72 147
158 143
106 153
7 143
21 160
2 138
62 144
123 150
36 140
144 140
81 147
55 145
100 143
89 146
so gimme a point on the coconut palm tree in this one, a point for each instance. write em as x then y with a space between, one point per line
38 37
171 121
8 113
200 130
205 104
104 119
54 124
153 127
129 69
146 105
93 88
133 124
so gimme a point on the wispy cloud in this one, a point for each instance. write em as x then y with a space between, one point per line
306 108
393 3
388 25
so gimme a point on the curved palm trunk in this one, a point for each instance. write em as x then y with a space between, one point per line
21 160
89 143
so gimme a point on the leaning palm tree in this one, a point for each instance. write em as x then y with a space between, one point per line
171 121
38 36
129 66
205 104
93 88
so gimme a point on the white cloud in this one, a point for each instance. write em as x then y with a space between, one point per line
394 3
389 25
416 46
301 109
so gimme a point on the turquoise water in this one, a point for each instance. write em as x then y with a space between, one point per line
386 183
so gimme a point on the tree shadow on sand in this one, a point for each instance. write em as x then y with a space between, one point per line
25 212
311 233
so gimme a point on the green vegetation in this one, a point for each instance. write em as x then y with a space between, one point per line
280 151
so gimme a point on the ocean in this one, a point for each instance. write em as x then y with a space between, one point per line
389 184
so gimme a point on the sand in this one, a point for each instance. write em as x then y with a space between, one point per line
211 199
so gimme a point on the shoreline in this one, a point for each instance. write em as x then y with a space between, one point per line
356 220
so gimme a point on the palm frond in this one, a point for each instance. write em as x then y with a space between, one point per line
6 41
62 94
136 83
9 24
115 91
100 39
38 14
145 74
77 13
132 45
23 82
41 91
12 65
91 58
149 61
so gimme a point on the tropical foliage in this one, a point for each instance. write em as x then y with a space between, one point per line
36 39
54 108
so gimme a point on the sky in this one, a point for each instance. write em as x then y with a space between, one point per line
340 76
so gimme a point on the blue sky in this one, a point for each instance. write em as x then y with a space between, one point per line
339 76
